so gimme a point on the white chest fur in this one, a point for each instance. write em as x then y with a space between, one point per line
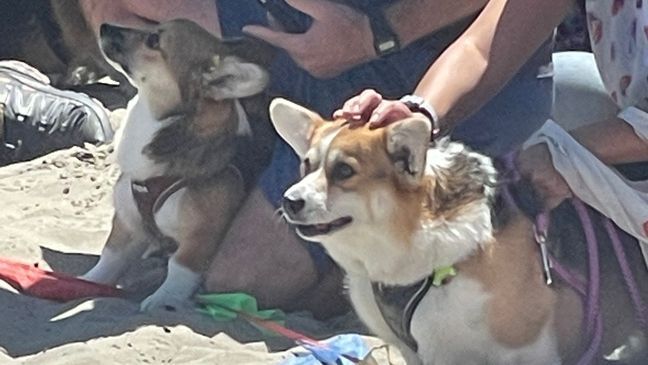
138 131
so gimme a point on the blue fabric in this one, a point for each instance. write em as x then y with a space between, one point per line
348 344
234 14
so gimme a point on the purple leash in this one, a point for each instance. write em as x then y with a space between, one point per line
594 288
589 289
641 310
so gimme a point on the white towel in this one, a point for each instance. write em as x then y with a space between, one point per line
624 202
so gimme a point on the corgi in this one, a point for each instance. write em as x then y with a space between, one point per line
430 267
187 153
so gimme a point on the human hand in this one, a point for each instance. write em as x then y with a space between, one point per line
370 107
339 38
535 164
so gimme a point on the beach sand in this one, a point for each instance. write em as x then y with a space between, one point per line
56 212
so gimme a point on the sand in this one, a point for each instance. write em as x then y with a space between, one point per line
56 212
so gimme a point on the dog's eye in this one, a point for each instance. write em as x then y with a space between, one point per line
153 41
342 171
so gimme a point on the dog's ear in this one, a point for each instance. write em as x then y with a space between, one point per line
407 144
228 77
294 123
251 49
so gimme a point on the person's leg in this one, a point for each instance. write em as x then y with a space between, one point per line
579 95
262 256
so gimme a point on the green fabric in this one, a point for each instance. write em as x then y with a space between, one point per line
227 306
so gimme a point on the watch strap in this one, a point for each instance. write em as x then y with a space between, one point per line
417 104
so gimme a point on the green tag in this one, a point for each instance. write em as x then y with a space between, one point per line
442 273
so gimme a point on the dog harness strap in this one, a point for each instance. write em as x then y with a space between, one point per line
397 305
151 194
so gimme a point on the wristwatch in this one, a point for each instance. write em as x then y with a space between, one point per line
384 38
417 104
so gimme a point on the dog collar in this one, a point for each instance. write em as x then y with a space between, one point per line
398 303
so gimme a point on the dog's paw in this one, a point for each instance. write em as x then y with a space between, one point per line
162 299
176 290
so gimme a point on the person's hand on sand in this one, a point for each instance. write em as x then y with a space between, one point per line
338 39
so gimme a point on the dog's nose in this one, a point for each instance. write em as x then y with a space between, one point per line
293 206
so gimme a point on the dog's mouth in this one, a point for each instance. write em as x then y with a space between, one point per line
311 230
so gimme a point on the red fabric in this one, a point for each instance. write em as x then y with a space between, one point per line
36 282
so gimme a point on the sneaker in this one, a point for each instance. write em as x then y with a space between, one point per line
36 118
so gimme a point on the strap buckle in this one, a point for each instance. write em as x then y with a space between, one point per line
540 235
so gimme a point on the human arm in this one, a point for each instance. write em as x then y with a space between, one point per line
476 66
144 12
340 36
613 141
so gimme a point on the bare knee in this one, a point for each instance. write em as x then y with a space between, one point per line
261 255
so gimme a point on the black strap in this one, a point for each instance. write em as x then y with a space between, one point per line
385 39
397 305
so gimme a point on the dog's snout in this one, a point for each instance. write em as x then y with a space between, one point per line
293 206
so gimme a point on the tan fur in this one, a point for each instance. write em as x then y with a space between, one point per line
510 270
213 117
364 149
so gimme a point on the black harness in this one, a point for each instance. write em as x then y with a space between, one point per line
397 305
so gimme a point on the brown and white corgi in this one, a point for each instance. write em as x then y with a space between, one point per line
394 212
187 153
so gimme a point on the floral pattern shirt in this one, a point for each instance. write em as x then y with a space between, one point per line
619 38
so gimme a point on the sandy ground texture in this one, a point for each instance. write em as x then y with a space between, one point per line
56 212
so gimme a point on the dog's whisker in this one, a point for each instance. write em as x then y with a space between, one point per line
279 216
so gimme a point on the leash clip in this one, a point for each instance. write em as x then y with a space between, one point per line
541 239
